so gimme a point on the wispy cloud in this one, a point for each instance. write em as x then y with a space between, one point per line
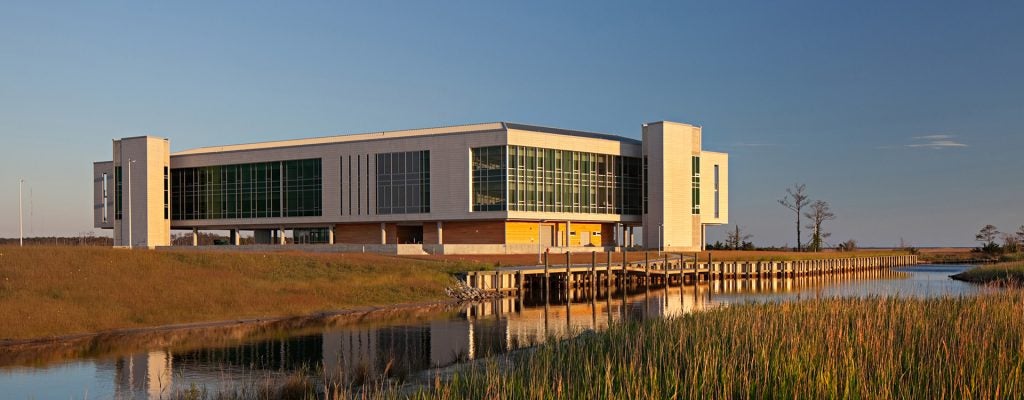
936 142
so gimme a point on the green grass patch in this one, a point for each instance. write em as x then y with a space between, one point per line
1008 273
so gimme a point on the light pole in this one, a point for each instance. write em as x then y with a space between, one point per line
130 238
21 218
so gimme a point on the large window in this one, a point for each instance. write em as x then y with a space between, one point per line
488 172
403 182
258 190
549 180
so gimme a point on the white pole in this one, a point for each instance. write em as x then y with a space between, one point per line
538 244
661 234
130 162
21 218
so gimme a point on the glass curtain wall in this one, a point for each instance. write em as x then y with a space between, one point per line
257 190
489 179
549 180
403 182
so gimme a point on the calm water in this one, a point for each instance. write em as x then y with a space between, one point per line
413 343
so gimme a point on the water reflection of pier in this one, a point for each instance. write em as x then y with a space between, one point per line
480 330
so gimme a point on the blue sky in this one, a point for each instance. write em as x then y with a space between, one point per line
906 116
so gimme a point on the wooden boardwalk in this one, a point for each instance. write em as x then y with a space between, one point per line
608 269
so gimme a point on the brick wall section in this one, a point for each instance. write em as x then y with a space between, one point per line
357 233
474 232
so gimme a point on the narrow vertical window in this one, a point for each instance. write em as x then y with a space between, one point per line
716 190
696 184
167 193
105 197
349 185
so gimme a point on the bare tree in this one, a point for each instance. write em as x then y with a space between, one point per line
796 200
736 239
818 214
1020 234
988 234
1010 243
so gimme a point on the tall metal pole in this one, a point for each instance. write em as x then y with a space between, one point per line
21 218
130 162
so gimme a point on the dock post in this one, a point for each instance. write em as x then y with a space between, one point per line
608 274
625 261
520 276
568 272
593 269
710 261
547 271
665 269
647 268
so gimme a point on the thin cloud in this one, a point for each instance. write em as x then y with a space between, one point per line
936 142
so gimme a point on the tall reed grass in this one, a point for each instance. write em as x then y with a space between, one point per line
872 348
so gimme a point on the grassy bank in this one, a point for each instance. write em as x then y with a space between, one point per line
62 290
1009 273
880 348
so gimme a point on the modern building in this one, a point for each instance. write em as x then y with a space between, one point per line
484 188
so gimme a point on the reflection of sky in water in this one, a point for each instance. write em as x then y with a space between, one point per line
479 331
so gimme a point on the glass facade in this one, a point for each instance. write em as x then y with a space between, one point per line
257 190
549 180
696 184
489 178
403 182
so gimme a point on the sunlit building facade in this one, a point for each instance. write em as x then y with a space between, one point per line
483 188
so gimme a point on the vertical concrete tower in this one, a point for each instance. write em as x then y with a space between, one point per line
141 167
680 201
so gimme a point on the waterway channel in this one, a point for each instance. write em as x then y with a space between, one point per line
407 343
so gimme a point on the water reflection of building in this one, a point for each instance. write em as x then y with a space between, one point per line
481 330
143 375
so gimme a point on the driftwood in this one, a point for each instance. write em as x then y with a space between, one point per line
464 292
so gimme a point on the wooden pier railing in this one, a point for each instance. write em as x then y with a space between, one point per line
663 268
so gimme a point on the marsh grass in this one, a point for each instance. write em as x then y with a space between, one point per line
63 290
1001 274
850 348
874 348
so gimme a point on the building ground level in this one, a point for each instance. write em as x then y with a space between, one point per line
442 237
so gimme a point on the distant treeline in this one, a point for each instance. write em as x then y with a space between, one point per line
61 241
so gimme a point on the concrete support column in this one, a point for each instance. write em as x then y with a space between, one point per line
383 233
568 233
195 237
280 236
440 232
235 239
330 235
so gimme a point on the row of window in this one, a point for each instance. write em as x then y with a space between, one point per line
256 190
521 178
512 178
